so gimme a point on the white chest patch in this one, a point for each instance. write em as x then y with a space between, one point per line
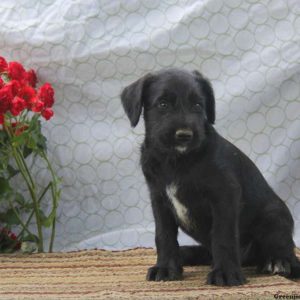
180 149
180 209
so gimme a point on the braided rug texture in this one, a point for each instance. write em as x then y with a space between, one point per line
99 274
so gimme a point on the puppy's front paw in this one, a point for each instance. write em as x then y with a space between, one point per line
157 273
226 277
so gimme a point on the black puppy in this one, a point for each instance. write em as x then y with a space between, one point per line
204 184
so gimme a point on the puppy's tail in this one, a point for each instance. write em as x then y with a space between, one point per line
195 255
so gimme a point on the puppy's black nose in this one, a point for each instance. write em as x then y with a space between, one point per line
184 135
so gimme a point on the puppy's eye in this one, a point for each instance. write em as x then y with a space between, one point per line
162 104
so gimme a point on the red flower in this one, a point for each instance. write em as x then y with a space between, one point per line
47 113
31 78
16 70
27 93
17 105
20 92
15 87
13 236
3 64
37 105
6 97
46 94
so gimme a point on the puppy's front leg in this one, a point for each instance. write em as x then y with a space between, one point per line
225 240
168 265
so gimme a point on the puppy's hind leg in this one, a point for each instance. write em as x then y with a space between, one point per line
280 259
276 247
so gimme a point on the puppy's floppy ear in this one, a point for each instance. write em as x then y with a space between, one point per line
132 99
209 96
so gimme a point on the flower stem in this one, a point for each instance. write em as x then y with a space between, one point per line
32 213
55 197
25 226
35 203
52 235
18 156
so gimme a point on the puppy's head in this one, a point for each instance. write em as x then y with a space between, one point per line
177 105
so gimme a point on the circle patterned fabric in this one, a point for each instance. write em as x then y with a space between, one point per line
90 50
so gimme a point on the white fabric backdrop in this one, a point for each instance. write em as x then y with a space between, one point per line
91 49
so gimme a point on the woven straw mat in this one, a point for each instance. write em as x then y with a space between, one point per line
99 274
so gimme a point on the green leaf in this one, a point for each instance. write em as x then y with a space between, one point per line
3 166
3 137
35 139
31 142
12 171
23 204
26 151
4 186
9 217
18 140
42 143
30 238
47 221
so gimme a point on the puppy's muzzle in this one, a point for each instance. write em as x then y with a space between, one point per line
184 135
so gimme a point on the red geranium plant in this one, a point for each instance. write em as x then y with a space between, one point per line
22 106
